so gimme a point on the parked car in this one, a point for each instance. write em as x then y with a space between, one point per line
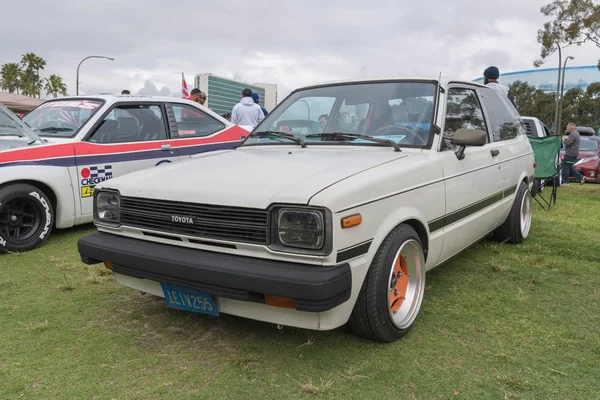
52 159
534 127
323 229
588 160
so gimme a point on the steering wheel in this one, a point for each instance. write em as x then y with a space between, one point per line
401 130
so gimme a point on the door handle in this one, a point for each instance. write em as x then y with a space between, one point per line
495 152
165 147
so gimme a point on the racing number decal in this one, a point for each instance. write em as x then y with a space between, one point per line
87 191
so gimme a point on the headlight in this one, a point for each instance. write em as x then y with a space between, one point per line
304 229
107 207
586 160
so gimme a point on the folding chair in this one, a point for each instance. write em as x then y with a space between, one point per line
547 169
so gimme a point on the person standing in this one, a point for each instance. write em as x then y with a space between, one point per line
256 98
571 142
195 95
490 79
247 112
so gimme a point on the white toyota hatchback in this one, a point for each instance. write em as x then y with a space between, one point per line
330 212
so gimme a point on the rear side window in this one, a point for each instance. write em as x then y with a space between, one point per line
505 121
192 122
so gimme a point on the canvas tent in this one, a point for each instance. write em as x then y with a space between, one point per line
18 103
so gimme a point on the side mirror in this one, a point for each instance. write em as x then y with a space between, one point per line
467 137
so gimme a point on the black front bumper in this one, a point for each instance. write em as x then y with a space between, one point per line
314 288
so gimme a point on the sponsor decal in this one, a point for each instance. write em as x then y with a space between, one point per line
91 176
85 104
2 242
48 216
182 220
183 132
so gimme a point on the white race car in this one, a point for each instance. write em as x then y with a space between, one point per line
51 160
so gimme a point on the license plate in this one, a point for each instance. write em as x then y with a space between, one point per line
189 299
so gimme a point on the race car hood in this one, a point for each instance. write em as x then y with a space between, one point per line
253 177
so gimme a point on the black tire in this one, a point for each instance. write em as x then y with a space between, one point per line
512 229
26 217
371 314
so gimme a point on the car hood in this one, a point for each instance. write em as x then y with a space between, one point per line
252 177
13 143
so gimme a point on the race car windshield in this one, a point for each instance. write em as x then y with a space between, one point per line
354 114
62 118
11 125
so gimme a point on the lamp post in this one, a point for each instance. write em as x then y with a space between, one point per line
77 83
556 128
562 88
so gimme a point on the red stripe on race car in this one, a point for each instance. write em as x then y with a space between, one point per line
38 153
89 149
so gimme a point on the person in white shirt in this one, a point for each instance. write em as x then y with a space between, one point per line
490 79
247 112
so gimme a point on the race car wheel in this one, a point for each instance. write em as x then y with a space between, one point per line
26 217
392 292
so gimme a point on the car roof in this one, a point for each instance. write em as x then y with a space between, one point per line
443 81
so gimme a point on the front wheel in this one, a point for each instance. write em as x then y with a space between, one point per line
516 227
392 292
26 217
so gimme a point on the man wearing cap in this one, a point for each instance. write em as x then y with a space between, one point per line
255 98
490 78
247 112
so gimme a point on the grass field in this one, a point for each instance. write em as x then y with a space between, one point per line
498 322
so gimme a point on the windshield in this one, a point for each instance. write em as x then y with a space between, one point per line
399 111
588 145
11 125
61 118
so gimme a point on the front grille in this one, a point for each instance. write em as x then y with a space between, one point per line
224 223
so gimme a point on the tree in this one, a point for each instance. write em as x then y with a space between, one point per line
533 102
30 76
54 85
574 22
10 77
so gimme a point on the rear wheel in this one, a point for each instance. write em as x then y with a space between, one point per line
518 223
26 217
392 292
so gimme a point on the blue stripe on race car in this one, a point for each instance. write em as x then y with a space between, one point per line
122 157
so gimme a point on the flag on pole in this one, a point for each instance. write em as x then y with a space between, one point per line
184 89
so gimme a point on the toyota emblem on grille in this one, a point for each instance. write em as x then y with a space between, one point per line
182 220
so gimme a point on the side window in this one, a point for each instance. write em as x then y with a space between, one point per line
192 122
463 111
131 123
505 121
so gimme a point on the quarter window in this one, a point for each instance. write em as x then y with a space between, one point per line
505 121
131 123
192 122
463 111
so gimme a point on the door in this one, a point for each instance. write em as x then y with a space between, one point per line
510 144
471 190
194 131
130 137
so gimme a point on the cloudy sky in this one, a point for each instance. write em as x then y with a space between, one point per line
290 43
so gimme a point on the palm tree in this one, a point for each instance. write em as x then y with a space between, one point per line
55 85
10 77
30 77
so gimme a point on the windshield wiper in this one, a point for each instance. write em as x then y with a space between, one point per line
280 134
54 129
357 136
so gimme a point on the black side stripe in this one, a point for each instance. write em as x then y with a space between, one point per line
457 215
354 251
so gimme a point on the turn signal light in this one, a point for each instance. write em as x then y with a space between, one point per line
108 265
534 164
351 221
278 301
